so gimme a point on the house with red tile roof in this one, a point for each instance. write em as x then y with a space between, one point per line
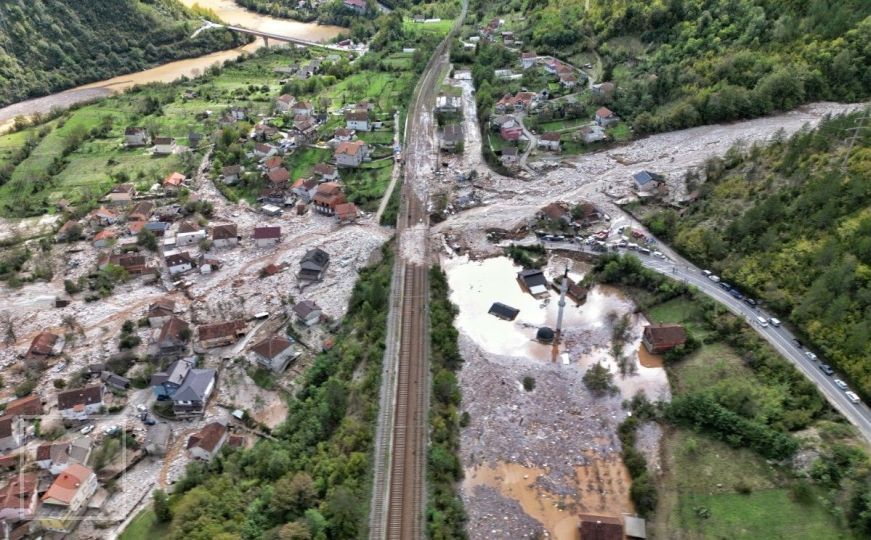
67 498
207 442
266 236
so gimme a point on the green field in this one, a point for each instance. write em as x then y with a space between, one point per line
144 527
439 28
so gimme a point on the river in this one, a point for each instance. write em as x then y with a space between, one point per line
229 12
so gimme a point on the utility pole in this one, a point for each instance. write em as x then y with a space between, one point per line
564 287
856 130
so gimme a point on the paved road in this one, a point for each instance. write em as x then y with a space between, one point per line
780 338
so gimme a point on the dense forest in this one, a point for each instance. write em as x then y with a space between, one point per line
791 223
335 12
680 63
51 45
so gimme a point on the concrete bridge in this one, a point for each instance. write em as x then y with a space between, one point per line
209 25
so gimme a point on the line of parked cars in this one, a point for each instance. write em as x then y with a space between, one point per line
765 322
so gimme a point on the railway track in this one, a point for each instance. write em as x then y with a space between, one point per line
399 491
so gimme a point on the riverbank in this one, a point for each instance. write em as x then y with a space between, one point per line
227 10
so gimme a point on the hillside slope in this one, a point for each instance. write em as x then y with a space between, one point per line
50 45
791 223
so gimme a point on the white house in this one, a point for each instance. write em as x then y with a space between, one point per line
351 153
284 102
67 499
135 136
225 235
307 312
11 433
549 141
274 353
179 262
189 233
303 108
357 120
79 403
606 117
164 146
207 442
527 59
267 236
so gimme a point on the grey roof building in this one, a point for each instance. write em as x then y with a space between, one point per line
191 396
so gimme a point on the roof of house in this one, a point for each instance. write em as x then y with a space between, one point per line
344 132
278 176
224 231
67 484
356 3
43 343
175 373
220 329
550 136
351 148
510 151
317 257
172 329
104 212
643 177
600 527
665 334
231 170
267 232
174 179
305 308
176 259
123 188
114 379
188 227
286 98
528 55
502 310
29 405
305 183
134 130
555 211
328 189
532 277
7 425
209 438
346 211
18 492
357 116
272 163
195 385
162 308
604 112
142 210
164 140
88 395
302 105
263 148
272 346
324 169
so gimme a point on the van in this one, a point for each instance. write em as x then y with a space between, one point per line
762 322
852 397
774 322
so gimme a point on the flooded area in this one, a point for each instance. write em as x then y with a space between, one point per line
544 456
557 512
230 13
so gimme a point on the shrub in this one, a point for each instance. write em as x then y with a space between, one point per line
599 380
529 383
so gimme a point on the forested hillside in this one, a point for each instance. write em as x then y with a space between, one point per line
791 223
335 12
51 45
680 63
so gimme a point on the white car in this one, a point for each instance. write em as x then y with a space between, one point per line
841 384
111 430
706 272
811 355
715 279
852 397
87 429
774 322
762 322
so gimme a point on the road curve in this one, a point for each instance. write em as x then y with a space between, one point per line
783 341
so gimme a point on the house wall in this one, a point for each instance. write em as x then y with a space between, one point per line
349 160
164 148
179 268
263 242
186 239
72 414
225 242
359 125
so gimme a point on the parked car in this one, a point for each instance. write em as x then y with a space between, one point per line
762 322
853 397
715 279
706 273
644 251
725 286
827 369
751 302
736 293
111 430
811 355
774 322
87 429
841 384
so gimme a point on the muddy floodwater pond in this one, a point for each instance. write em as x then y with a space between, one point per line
476 285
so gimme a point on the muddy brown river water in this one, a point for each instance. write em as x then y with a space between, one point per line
228 11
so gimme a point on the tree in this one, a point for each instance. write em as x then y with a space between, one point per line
161 506
599 380
146 239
